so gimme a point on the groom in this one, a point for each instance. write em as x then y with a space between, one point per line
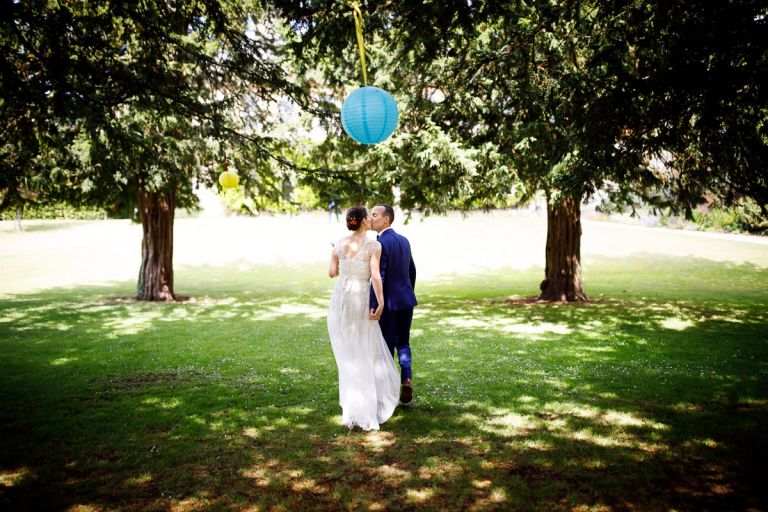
398 275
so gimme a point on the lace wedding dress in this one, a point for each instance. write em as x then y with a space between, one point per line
369 383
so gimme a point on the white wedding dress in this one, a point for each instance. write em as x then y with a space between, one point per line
369 384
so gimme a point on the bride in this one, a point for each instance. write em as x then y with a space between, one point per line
369 384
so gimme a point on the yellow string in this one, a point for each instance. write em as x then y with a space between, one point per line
359 26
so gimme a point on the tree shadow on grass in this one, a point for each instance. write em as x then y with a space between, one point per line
160 450
229 402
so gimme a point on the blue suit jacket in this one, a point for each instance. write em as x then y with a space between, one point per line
398 272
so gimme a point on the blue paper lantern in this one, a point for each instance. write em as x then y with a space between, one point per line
369 115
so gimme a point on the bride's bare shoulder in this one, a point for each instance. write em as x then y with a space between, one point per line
347 244
352 245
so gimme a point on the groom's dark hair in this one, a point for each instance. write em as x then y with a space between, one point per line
389 212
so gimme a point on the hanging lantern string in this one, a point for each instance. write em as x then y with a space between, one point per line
360 43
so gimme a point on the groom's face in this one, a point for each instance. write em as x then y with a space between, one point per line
378 220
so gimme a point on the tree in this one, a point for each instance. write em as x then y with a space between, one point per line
570 98
137 97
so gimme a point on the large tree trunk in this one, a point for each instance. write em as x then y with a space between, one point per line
156 273
562 280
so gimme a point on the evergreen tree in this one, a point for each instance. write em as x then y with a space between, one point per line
102 99
570 98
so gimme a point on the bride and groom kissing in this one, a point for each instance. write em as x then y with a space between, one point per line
369 318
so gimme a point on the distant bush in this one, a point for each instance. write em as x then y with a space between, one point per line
296 199
58 211
744 216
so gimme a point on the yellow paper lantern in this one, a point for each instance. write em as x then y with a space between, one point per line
228 179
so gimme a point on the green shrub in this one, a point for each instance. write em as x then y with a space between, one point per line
59 211
744 215
752 217
718 219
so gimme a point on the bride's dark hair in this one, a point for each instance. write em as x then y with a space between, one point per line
355 216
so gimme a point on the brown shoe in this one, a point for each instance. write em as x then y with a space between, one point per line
406 392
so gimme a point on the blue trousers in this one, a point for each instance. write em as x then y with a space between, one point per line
396 328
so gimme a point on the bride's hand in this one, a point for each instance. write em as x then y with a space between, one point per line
376 315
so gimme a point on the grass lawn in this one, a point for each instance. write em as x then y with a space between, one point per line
654 396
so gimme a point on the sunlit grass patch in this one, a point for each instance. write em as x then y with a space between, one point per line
419 496
393 475
63 360
13 477
84 508
141 479
162 403
677 324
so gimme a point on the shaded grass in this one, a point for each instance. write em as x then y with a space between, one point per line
652 397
